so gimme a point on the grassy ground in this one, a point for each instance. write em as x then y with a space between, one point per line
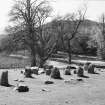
12 62
21 59
90 91
69 91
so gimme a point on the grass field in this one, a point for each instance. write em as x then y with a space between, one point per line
21 59
7 61
68 91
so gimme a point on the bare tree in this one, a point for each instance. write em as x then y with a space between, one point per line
58 25
12 41
31 16
46 44
74 21
100 37
67 33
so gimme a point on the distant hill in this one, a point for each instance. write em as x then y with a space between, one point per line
79 43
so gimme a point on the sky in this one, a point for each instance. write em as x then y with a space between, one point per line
61 7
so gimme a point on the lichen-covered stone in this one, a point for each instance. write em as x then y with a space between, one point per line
28 73
55 73
80 72
4 79
91 69
67 72
86 66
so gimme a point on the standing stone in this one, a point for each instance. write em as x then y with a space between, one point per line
91 69
80 72
28 73
55 73
86 66
35 70
67 72
4 79
48 70
75 72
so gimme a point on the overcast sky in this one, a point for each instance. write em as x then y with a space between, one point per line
61 7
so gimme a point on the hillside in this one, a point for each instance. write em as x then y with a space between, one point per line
85 32
80 42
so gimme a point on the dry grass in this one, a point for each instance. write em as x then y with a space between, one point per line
7 62
90 91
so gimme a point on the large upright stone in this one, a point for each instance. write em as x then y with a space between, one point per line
91 69
28 72
34 70
80 72
86 66
67 72
48 70
55 73
4 79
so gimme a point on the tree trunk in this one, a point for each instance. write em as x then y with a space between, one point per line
69 54
39 61
33 61
33 57
101 51
42 62
69 51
